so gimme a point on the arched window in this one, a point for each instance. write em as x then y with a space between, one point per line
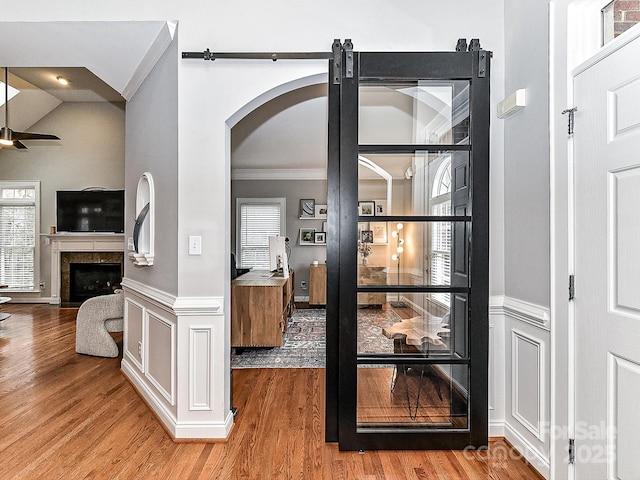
440 271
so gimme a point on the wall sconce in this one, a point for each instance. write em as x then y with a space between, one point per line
397 234
513 103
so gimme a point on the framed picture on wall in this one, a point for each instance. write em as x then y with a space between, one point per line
379 230
321 211
320 237
307 208
366 209
381 208
307 236
366 236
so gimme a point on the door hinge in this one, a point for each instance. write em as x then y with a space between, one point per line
570 119
572 287
572 451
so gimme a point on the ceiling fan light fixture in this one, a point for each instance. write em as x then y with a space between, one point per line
6 137
63 81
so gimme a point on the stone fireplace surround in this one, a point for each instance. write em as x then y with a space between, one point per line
69 248
67 258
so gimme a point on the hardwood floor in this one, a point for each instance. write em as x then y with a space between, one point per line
70 416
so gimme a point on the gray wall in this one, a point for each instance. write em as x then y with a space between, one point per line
526 154
89 154
152 146
293 191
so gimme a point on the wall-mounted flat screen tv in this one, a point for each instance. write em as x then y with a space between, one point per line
90 211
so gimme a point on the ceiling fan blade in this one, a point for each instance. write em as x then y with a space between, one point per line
6 134
33 136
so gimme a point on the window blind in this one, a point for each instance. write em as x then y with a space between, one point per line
258 221
18 237
441 250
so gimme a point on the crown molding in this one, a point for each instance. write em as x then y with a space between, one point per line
156 50
278 174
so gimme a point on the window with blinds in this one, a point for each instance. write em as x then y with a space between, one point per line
257 220
441 231
18 234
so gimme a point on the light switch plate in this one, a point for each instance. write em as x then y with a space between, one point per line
195 245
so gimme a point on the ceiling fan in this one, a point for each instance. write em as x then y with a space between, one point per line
9 138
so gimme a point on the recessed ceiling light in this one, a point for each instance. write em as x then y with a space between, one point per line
63 80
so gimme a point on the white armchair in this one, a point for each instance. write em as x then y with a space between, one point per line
96 318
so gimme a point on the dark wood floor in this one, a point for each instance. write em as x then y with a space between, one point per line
71 416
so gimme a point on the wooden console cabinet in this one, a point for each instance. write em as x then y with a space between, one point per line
260 306
372 276
318 284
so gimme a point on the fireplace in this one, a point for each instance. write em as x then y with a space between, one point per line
88 248
92 279
90 274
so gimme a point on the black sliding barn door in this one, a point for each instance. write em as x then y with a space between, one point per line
407 249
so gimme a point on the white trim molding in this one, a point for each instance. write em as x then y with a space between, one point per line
527 312
539 461
182 306
279 174
156 50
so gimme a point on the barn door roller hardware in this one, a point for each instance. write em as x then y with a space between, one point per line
474 46
336 55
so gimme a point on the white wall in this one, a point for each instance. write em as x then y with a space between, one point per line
527 227
89 154
526 146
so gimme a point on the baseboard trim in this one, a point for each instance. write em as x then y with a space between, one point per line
159 409
17 297
178 431
496 428
527 451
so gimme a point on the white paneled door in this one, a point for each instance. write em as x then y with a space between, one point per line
607 266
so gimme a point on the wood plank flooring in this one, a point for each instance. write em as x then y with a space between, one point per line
69 416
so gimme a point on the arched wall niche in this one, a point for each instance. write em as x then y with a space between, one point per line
144 228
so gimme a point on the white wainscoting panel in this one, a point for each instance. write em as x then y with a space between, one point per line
492 369
133 327
527 362
528 391
186 382
200 361
160 356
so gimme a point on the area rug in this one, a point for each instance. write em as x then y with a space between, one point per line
305 340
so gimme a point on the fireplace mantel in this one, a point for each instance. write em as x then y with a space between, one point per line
79 242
